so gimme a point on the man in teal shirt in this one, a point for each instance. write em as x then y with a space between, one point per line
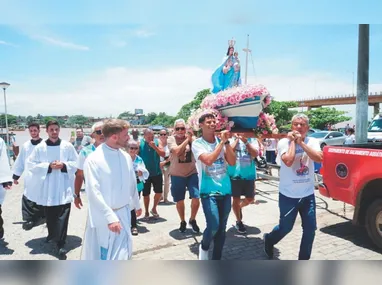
211 155
150 151
243 175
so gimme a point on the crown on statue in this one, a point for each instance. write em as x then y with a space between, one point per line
231 43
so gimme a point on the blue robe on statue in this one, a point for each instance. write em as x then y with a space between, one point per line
221 80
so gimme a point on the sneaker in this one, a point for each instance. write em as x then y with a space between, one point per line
203 254
268 247
28 225
240 227
194 226
183 226
134 231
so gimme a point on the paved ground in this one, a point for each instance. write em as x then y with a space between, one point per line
159 239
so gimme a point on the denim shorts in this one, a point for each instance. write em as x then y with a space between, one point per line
179 185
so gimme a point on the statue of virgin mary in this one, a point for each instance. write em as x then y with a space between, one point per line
227 75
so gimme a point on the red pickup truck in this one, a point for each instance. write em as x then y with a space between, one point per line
353 174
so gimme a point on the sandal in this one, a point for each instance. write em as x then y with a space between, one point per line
155 215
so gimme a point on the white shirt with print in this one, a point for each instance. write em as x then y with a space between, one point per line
297 181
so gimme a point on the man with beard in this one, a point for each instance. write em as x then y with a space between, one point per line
112 192
81 140
31 212
52 166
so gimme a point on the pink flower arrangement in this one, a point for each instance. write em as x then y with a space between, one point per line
235 95
221 121
266 125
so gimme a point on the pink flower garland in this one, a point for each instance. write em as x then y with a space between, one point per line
266 125
221 121
236 95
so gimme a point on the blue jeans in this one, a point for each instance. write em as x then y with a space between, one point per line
216 211
289 207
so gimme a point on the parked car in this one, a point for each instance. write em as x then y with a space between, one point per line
374 132
285 131
329 138
312 131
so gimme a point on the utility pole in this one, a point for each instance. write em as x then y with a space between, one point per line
362 84
247 51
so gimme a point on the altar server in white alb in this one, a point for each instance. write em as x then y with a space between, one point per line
112 193
5 179
31 212
52 167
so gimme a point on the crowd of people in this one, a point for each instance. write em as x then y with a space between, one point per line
117 167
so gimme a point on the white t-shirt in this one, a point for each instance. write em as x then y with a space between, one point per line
297 181
213 180
350 139
270 144
167 153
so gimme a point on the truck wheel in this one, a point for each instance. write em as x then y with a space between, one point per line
374 222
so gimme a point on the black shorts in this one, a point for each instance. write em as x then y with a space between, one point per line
156 181
243 188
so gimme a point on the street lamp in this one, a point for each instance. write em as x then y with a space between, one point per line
5 85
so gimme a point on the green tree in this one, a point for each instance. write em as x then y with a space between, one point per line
163 119
47 119
150 117
61 122
188 108
126 115
320 117
281 111
78 120
30 119
10 118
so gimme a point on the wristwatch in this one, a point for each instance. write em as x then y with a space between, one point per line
76 196
227 142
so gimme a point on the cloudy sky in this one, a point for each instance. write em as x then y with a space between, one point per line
100 60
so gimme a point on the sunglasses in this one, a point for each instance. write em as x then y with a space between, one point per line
180 129
163 135
133 148
99 132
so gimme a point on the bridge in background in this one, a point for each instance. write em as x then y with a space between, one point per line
374 100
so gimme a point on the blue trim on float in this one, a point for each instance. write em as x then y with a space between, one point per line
244 122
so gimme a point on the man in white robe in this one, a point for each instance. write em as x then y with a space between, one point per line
112 193
32 213
52 166
5 179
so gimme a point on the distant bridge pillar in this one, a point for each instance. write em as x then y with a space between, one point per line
376 108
